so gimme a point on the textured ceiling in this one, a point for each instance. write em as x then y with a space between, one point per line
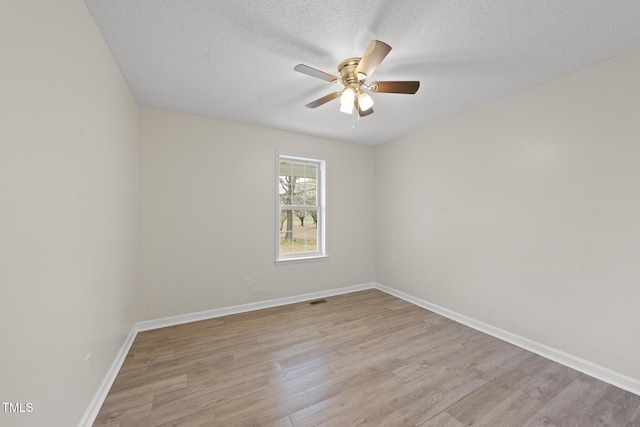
234 59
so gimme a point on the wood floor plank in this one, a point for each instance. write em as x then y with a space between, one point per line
355 417
282 422
546 383
360 359
202 418
354 381
302 378
514 410
147 387
439 398
573 405
471 407
627 403
324 410
443 419
259 409
113 416
210 393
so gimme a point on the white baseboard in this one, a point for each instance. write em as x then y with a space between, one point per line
98 399
226 311
592 369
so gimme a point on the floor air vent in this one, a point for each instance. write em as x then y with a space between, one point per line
318 301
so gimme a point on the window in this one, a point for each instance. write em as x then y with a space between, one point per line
300 208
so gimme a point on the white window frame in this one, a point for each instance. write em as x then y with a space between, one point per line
321 188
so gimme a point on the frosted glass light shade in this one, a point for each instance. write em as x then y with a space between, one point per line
364 101
346 100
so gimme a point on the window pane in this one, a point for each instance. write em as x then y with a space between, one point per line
310 171
287 181
311 242
287 222
311 228
285 245
311 221
288 193
286 168
310 184
311 193
299 240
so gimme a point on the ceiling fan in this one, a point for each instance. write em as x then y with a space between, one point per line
353 74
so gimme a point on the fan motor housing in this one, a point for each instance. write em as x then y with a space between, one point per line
348 75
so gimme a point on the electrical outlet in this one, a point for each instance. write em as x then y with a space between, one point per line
429 282
247 283
87 365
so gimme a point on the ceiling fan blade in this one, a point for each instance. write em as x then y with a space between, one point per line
305 69
323 100
408 87
372 57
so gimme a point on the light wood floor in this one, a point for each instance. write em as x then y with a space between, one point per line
365 358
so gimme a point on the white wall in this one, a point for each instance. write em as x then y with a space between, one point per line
526 214
208 214
68 190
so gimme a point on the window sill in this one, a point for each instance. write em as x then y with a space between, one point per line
302 259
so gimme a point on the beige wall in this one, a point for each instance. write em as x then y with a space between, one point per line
208 215
68 190
526 214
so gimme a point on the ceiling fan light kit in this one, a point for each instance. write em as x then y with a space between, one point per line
346 100
353 74
365 101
